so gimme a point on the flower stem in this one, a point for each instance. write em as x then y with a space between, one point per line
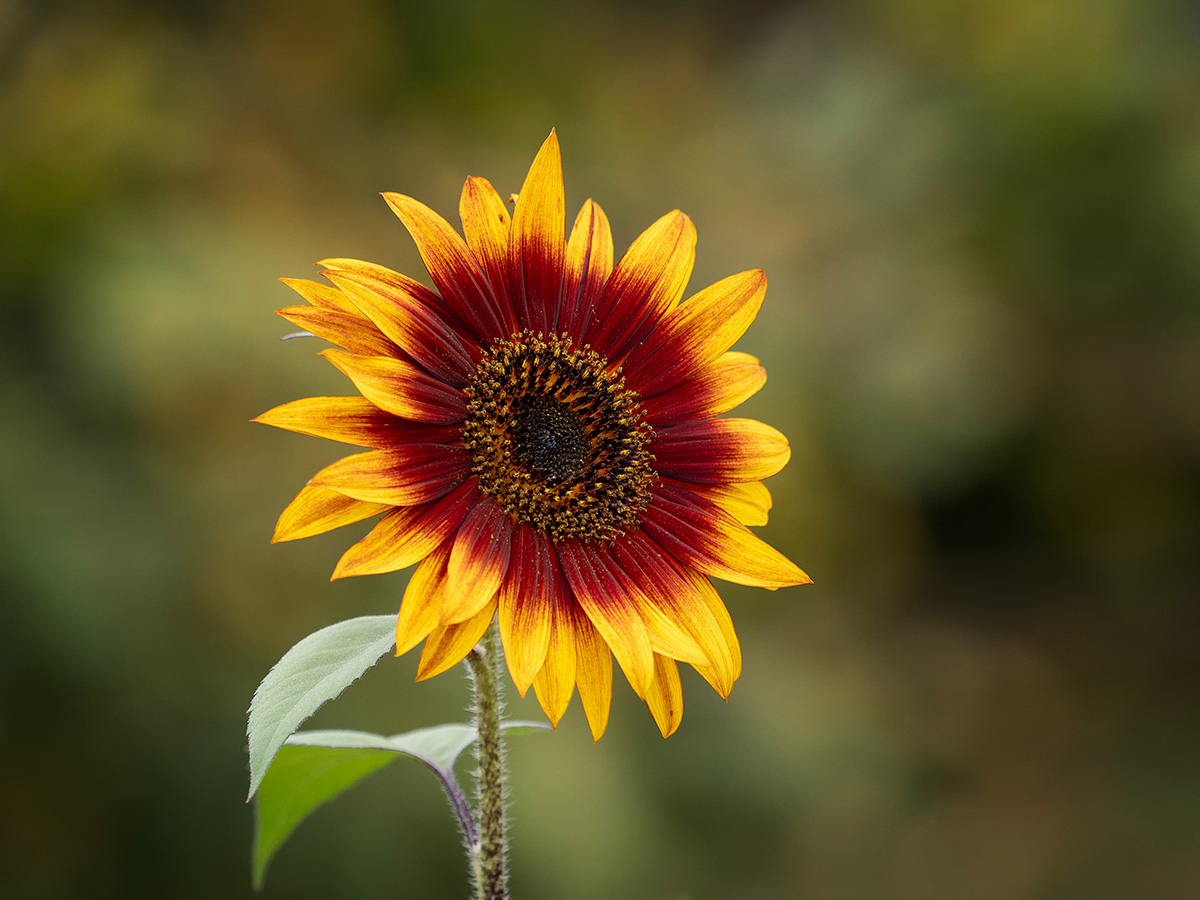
488 856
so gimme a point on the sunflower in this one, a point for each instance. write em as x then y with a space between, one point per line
543 440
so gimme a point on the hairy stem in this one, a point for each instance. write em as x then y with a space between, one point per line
488 856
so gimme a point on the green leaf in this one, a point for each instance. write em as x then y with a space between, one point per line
438 747
314 671
301 779
313 767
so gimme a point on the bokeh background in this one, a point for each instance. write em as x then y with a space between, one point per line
981 225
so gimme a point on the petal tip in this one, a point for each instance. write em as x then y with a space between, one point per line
797 578
554 716
681 220
399 203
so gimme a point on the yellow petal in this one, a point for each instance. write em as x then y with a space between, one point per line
722 682
448 645
317 510
749 503
665 696
422 600
593 672
555 680
319 294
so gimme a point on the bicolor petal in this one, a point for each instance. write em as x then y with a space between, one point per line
667 633
536 242
452 267
673 598
351 420
718 451
407 535
486 226
587 265
406 311
478 561
555 680
401 388
730 381
527 605
696 333
700 534
355 333
402 476
608 606
645 286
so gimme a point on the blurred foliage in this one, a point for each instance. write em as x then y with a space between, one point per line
981 222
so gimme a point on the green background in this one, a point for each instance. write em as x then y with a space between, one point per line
981 226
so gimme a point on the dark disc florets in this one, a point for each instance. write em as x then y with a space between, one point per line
557 440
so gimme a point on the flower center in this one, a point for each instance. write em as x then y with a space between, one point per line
550 439
557 440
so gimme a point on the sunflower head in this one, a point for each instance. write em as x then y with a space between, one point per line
544 441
